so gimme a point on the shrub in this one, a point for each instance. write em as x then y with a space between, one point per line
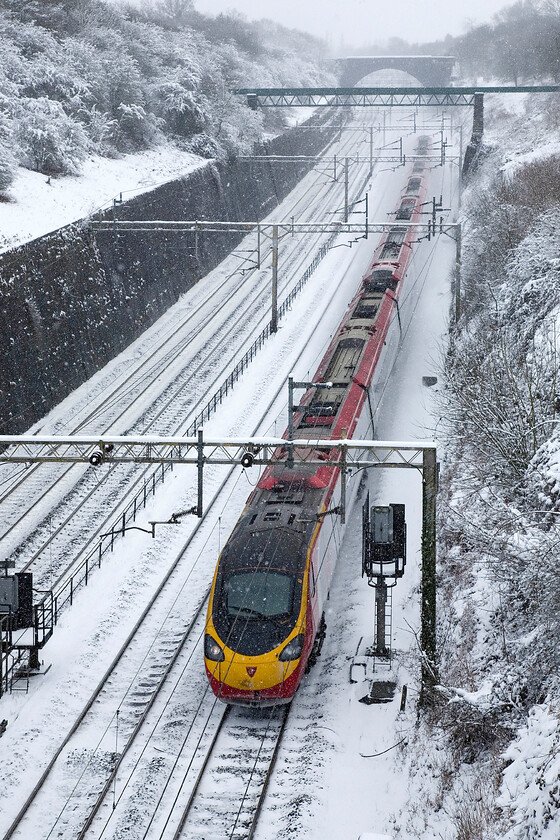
49 140
205 146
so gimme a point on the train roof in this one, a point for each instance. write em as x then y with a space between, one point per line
266 548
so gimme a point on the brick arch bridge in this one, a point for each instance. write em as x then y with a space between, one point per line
430 70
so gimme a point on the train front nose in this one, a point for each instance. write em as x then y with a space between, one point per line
240 680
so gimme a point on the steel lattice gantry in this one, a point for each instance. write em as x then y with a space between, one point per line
283 228
346 455
355 454
388 97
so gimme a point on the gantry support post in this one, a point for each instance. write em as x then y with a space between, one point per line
380 612
473 147
346 190
274 315
200 467
290 460
458 246
343 477
428 606
460 196
478 114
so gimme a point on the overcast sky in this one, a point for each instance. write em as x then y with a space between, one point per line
358 22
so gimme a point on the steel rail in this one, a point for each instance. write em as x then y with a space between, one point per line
150 360
126 644
102 683
102 529
345 443
117 527
255 807
142 718
122 651
200 775
177 350
270 771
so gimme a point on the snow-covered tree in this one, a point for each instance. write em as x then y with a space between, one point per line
177 11
116 79
7 160
49 140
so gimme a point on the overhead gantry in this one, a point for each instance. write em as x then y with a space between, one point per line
390 97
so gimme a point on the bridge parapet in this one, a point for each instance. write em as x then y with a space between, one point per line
430 70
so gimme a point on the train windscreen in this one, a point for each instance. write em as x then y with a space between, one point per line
259 594
255 610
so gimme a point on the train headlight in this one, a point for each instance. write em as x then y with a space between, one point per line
293 649
212 649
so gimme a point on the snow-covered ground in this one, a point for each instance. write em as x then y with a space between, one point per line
362 787
37 205
487 790
343 769
348 769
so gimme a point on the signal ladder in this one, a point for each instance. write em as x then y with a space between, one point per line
381 651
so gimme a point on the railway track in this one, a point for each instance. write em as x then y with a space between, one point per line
135 685
154 684
229 791
134 778
82 503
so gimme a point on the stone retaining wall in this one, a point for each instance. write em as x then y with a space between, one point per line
70 301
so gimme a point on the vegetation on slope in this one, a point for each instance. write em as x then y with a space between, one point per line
80 77
521 45
499 602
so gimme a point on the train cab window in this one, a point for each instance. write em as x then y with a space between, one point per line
260 594
271 516
258 589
